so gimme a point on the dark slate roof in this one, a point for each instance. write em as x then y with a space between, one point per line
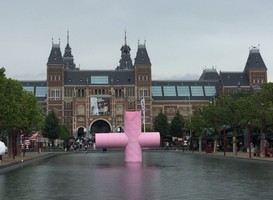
68 58
255 60
234 79
142 55
33 83
209 74
55 56
115 77
185 83
125 62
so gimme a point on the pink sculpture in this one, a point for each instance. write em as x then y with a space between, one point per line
133 140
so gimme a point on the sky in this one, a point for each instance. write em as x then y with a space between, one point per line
183 37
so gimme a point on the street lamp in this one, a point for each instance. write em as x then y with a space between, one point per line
249 140
190 110
225 140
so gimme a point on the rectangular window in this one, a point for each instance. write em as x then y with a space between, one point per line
68 92
197 91
169 91
156 91
41 91
210 90
131 92
143 93
29 89
55 94
99 80
183 91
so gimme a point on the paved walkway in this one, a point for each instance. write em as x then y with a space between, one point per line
7 161
242 155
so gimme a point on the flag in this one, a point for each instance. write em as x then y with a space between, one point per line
142 102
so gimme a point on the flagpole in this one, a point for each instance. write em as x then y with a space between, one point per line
143 111
144 117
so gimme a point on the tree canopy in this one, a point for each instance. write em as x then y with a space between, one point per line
19 109
51 129
161 124
177 125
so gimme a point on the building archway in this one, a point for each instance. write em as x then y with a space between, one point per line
100 126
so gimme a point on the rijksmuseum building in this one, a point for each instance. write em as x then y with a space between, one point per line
90 101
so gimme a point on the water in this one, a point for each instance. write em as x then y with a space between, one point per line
162 175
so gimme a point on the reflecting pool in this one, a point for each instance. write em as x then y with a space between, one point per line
162 175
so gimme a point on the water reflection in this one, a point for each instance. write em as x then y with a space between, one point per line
161 175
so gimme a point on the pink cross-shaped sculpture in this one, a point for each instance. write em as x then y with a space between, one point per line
132 139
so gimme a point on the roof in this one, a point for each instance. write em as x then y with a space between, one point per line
142 55
114 77
234 79
68 58
55 56
209 74
184 90
255 60
40 83
125 61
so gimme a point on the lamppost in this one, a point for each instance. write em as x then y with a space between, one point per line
206 141
249 140
192 146
225 140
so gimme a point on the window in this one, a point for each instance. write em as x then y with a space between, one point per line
197 91
210 90
41 91
29 89
99 80
68 92
81 93
143 93
55 94
169 91
130 92
183 91
156 91
118 93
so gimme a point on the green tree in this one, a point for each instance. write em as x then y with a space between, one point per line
31 114
51 129
213 116
64 132
177 125
261 113
18 109
161 124
196 125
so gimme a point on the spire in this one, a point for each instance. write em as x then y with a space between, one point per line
125 62
68 57
125 38
67 37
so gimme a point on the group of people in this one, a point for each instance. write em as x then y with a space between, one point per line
78 144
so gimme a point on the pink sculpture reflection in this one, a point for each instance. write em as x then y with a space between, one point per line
133 140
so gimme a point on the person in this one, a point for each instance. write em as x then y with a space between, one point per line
1 157
23 149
